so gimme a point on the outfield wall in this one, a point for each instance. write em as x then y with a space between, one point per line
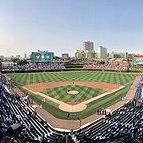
68 69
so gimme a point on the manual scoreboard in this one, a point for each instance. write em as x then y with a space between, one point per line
42 57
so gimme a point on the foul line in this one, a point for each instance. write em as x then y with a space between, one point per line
84 102
102 95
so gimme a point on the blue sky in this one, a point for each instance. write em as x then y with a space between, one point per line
62 25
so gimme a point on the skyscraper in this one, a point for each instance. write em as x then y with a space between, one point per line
87 46
101 52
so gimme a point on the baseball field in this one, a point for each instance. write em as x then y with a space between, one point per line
80 93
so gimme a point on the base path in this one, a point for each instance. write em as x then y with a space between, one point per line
75 124
73 108
102 95
62 105
39 87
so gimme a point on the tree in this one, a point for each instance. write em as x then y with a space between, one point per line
22 62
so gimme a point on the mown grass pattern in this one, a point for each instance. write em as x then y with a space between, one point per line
101 103
108 77
85 93
125 79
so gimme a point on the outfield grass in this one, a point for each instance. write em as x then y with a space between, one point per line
108 77
85 93
22 79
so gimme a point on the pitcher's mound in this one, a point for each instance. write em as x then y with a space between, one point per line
72 108
73 92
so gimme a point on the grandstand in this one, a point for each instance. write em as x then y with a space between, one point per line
110 66
35 67
20 123
71 71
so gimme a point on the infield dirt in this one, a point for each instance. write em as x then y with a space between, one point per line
39 87
70 107
74 124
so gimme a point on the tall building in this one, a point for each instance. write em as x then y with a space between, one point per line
122 55
86 51
87 46
65 56
102 52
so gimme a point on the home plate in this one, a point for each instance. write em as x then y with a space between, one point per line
72 108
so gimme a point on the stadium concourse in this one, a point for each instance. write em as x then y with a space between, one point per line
19 123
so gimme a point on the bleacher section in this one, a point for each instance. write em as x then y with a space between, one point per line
19 123
109 66
36 67
126 121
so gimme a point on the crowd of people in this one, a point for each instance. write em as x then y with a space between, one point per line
36 67
56 66
109 66
126 121
124 125
19 123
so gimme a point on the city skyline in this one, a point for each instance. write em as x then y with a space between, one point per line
61 26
